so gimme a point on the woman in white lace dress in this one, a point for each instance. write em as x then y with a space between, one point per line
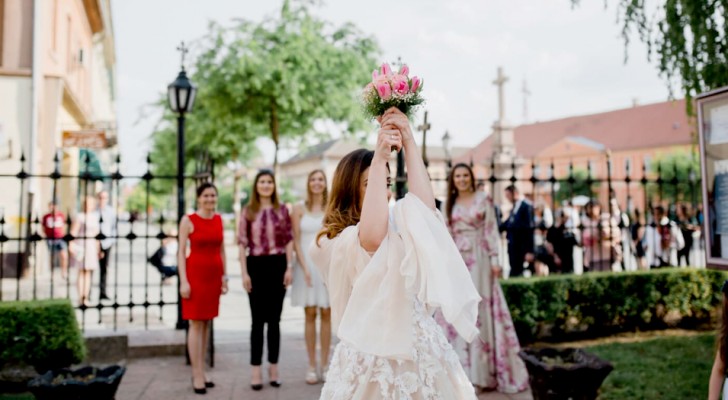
386 274
308 289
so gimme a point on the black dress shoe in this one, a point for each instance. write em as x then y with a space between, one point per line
104 297
198 390
275 384
209 384
256 386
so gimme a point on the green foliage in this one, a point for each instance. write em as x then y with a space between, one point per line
688 38
565 307
675 170
138 200
42 333
578 184
277 77
668 368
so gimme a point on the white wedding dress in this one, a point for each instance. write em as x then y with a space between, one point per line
382 305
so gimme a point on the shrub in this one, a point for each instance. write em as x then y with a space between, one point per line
569 307
43 334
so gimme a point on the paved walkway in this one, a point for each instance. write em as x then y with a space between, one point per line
169 378
162 378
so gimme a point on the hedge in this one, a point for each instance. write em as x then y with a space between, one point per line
43 334
570 307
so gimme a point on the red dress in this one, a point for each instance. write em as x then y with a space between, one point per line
204 268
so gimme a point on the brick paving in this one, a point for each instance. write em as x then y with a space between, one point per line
168 377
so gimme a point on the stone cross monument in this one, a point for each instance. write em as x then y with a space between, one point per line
504 148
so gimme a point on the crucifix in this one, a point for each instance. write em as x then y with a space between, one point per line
500 82
183 50
424 128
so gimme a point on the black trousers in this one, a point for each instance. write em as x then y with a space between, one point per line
103 271
266 304
684 253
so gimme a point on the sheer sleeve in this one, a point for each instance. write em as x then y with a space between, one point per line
339 260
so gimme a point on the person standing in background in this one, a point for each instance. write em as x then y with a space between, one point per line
491 362
202 277
520 229
688 225
107 219
265 242
308 288
85 249
54 227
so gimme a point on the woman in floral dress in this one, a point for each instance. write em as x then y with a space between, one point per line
492 362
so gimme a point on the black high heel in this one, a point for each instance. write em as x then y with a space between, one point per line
275 383
209 384
198 390
257 386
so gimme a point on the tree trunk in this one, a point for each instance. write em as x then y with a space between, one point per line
274 132
236 198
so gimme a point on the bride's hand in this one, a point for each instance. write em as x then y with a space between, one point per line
393 118
387 140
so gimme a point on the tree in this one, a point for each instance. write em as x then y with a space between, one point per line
688 37
277 77
577 184
677 178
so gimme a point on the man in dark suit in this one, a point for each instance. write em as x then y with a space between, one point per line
520 228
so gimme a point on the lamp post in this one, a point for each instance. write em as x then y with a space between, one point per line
181 95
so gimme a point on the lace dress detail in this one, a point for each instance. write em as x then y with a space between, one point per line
434 373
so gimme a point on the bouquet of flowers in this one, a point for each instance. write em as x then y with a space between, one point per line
388 89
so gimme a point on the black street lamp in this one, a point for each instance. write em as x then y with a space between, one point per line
446 149
181 95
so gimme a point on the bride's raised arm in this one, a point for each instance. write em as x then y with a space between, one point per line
417 179
374 222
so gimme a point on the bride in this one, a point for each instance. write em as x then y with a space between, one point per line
386 274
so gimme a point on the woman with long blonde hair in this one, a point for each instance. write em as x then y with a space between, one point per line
386 273
308 289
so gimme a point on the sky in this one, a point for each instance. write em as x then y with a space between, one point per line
572 58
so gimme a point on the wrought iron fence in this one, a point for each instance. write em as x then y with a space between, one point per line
29 260
628 200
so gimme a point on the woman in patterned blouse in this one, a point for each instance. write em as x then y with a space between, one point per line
266 256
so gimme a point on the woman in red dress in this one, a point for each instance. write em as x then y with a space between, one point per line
202 277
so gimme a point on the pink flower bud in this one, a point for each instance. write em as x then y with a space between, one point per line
415 84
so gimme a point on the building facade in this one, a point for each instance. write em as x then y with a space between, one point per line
57 98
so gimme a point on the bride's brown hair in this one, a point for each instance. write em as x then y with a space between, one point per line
344 205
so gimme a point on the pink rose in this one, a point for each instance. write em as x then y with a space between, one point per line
384 90
386 70
380 79
400 84
404 70
416 83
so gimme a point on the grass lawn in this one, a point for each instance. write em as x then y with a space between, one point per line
663 368
21 396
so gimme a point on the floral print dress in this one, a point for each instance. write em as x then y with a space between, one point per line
491 362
